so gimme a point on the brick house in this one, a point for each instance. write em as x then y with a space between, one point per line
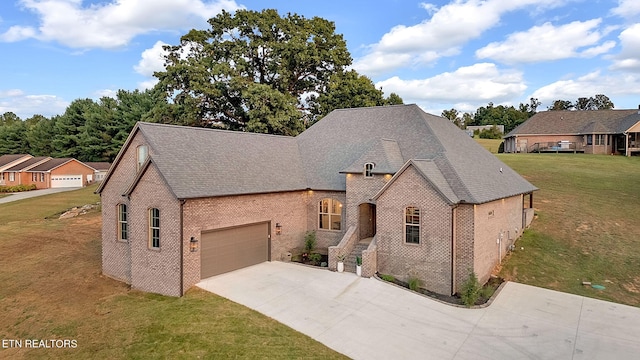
44 172
408 191
590 132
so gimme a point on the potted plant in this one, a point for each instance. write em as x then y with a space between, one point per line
341 262
358 265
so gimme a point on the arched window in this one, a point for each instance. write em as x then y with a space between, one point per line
154 228
123 223
368 169
412 225
330 214
142 152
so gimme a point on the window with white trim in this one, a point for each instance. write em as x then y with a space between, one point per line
412 225
330 214
600 139
41 177
123 223
368 169
12 176
142 153
154 228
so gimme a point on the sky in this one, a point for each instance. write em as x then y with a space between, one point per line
440 55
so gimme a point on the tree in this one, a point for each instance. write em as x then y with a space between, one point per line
12 138
602 102
453 115
69 126
350 90
9 118
561 105
224 76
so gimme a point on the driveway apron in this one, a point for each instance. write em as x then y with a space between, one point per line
370 319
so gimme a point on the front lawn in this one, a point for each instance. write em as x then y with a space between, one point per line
52 288
587 226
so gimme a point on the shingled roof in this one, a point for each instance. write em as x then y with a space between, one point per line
29 163
200 162
576 122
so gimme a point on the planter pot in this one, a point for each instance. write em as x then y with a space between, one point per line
359 270
340 266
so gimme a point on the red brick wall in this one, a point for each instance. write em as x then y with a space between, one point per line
430 261
155 270
361 190
73 167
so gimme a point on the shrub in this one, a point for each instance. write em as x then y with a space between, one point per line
501 148
17 188
309 242
470 290
388 278
358 260
414 283
315 258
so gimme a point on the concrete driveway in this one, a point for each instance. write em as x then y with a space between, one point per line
369 319
33 193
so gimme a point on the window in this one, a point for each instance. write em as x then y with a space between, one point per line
41 177
142 154
368 169
589 139
12 176
600 140
34 177
330 214
123 225
154 228
412 225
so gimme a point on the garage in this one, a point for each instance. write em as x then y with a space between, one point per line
233 248
61 181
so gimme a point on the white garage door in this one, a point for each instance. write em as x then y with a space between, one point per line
58 181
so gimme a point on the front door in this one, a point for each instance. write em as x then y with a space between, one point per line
367 220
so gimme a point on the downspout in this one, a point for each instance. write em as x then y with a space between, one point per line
182 202
454 214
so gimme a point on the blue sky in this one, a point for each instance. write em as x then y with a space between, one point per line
440 54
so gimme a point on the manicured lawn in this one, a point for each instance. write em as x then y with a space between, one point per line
588 226
52 288
490 144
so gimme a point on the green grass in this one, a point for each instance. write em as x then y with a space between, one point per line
52 288
587 226
491 145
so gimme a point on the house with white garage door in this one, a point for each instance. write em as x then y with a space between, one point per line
44 172
408 191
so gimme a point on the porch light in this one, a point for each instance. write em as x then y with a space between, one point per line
193 244
278 229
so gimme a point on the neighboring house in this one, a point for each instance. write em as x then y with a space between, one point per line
471 129
19 175
101 169
46 172
7 162
181 204
591 132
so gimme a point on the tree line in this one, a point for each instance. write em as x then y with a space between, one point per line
250 71
511 117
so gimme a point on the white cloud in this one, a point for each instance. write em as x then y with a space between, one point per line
25 106
589 85
451 26
476 84
627 8
629 58
115 23
152 60
548 42
106 93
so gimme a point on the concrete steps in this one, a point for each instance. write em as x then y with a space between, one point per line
350 261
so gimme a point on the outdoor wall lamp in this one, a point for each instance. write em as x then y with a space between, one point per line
278 229
193 244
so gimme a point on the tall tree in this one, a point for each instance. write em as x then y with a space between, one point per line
69 126
350 90
561 105
9 118
13 139
602 102
40 136
453 115
224 76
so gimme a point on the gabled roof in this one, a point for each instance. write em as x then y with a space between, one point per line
7 160
197 162
575 122
51 164
100 166
26 165
386 156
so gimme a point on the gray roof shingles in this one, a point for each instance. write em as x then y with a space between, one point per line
26 164
200 162
575 122
8 159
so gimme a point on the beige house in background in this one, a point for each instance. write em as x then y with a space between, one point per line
590 132
408 191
